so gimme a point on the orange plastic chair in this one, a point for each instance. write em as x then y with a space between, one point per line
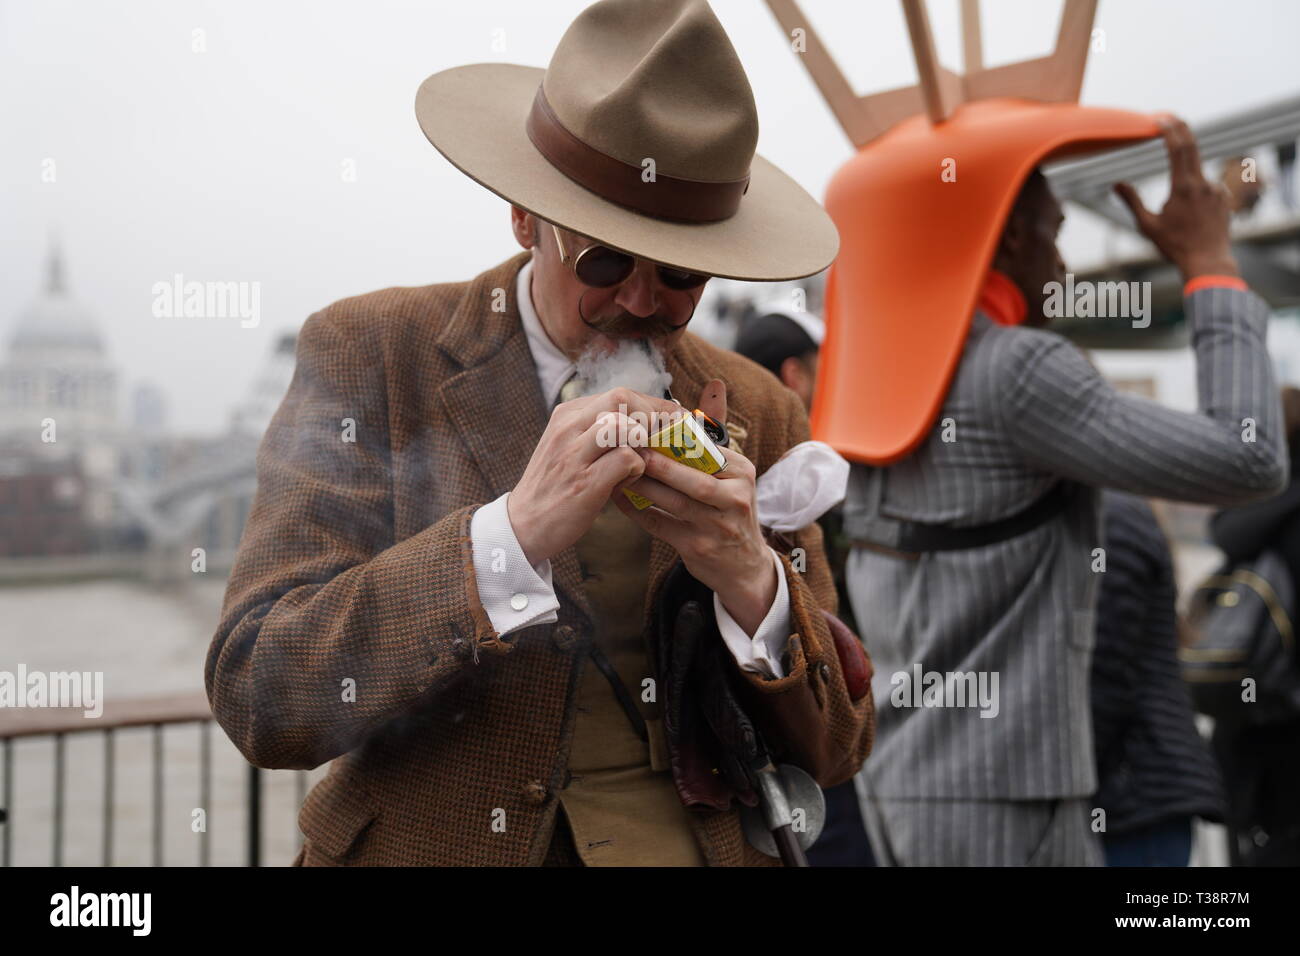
915 245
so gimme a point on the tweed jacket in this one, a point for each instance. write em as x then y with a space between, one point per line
352 631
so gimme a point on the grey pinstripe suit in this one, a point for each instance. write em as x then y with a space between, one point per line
1028 407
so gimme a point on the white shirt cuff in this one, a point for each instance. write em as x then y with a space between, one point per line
514 593
762 652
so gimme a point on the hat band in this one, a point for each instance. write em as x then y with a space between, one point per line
663 197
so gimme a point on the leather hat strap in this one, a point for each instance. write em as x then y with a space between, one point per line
665 197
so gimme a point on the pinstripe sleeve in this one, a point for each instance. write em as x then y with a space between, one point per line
1065 418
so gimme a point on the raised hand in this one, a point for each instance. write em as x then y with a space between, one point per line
1191 230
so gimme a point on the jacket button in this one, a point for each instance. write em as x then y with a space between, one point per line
535 793
564 637
460 647
825 671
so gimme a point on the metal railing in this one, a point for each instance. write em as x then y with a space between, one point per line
153 713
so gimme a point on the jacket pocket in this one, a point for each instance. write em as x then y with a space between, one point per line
334 815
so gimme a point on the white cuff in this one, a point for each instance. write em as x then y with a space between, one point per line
762 652
514 593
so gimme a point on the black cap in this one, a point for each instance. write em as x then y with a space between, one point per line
771 339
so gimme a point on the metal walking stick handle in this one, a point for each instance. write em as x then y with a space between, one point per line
790 815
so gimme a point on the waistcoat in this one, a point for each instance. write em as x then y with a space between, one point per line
622 805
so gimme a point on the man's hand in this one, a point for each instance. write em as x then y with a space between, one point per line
711 521
576 466
1191 231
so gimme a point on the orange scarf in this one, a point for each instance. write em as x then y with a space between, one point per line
1002 300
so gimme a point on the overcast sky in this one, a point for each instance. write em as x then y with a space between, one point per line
226 164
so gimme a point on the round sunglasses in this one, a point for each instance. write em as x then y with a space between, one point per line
602 267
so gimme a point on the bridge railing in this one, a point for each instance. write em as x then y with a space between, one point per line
153 714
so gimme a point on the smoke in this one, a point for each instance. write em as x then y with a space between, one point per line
637 364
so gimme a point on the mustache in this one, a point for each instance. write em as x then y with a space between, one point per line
624 322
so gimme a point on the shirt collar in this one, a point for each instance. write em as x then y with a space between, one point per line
553 366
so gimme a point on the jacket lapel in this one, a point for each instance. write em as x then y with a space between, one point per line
496 401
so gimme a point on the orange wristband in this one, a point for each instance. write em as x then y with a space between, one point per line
1214 282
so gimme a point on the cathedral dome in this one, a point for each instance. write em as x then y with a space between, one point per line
56 320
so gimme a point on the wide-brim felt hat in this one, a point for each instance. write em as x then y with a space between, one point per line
640 134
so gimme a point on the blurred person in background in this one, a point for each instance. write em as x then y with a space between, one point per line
973 556
1261 764
786 344
1155 773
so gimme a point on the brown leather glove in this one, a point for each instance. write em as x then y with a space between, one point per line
712 744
